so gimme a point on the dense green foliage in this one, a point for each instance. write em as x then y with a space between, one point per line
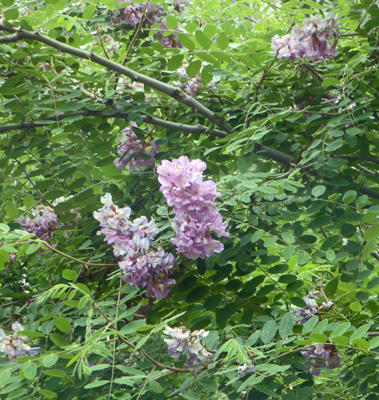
293 148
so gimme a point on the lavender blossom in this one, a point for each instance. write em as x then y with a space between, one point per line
132 241
14 346
170 41
183 340
134 13
246 369
306 313
197 217
149 270
310 41
191 86
121 232
42 223
131 149
321 355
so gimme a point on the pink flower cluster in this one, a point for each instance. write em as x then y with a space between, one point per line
197 217
183 340
14 346
132 241
42 223
135 12
311 41
131 150
321 355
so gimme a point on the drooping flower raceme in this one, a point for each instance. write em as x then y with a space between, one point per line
310 41
321 355
183 340
42 223
197 217
131 150
14 345
132 241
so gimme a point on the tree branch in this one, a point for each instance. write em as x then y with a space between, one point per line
286 159
198 129
175 93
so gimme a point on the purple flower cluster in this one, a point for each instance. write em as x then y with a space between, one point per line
183 340
134 13
14 346
169 41
311 41
191 85
131 150
311 308
132 241
321 355
307 312
246 369
197 217
42 223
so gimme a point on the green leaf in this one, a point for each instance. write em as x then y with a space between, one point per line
96 384
29 369
63 324
172 22
32 334
186 41
58 340
360 332
174 62
349 196
69 274
373 283
372 233
318 191
193 68
11 210
222 41
341 329
197 294
374 343
355 306
330 81
89 11
321 326
206 76
331 288
50 360
47 393
11 14
334 145
268 331
257 235
155 387
202 39
286 325
58 373
318 338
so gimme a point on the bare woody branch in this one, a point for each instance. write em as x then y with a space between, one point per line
194 129
175 93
